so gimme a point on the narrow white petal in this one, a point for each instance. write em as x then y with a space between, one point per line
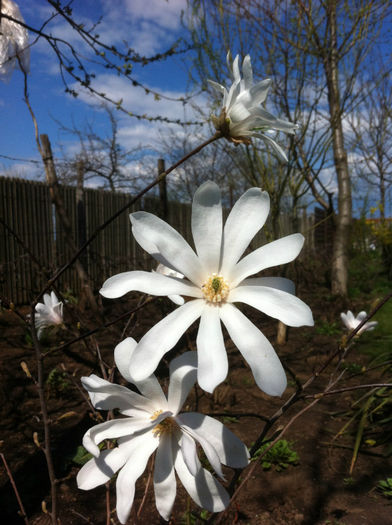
230 449
207 225
165 485
276 303
177 299
259 91
99 470
278 252
280 283
170 244
146 282
107 396
257 351
245 219
212 357
247 72
183 374
161 338
203 488
117 428
361 316
278 149
208 447
189 453
150 387
132 470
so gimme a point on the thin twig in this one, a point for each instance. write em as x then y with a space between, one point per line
12 481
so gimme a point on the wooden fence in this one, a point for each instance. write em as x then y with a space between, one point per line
33 244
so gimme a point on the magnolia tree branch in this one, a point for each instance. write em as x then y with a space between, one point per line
341 350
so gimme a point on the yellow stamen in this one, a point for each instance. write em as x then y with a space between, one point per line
215 289
164 427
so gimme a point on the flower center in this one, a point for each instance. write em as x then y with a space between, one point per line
215 289
164 427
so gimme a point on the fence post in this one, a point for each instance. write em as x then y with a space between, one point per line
51 176
162 191
81 211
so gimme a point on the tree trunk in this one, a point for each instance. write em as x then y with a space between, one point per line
343 218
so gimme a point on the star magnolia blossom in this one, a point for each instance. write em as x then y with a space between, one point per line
48 314
242 116
352 322
215 278
14 41
164 270
153 423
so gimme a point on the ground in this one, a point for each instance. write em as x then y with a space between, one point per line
317 491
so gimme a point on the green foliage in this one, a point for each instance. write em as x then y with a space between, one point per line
326 328
57 382
229 419
81 456
280 456
190 518
385 487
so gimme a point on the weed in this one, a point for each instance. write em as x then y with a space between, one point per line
385 487
326 328
280 456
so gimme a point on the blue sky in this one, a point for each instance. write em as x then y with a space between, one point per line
148 26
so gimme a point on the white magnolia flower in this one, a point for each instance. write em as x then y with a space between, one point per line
48 313
215 278
164 270
154 424
352 322
242 116
14 41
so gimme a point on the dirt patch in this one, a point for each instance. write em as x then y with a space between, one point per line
318 490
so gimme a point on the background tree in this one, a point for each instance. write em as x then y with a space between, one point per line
315 52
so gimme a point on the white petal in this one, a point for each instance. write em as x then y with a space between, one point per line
107 396
247 72
164 477
203 488
161 338
206 445
361 316
207 225
146 282
116 428
189 453
257 351
170 245
280 283
259 91
245 219
280 305
99 470
278 149
275 253
132 470
177 299
230 449
150 387
183 373
212 357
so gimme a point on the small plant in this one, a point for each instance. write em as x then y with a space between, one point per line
385 487
280 456
57 382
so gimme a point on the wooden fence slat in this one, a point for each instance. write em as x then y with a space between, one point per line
26 208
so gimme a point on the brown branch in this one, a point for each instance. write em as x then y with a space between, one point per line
15 489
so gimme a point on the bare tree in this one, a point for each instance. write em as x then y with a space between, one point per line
315 52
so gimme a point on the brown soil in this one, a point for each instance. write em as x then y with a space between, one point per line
316 491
